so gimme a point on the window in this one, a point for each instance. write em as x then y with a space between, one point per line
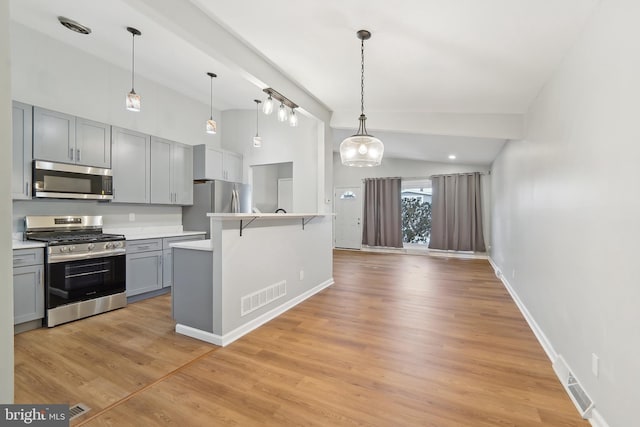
416 211
348 195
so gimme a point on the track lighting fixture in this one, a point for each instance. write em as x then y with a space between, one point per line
283 116
267 108
293 118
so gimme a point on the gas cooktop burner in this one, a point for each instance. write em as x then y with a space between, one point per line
62 239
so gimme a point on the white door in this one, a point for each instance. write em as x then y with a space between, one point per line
348 228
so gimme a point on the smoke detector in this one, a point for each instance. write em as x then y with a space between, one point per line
74 26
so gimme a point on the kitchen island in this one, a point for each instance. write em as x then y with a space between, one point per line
254 267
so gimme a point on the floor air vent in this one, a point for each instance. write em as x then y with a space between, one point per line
262 297
579 397
77 410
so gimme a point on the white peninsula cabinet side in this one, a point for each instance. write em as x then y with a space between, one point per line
255 267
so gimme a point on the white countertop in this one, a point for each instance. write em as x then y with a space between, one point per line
196 245
152 232
26 244
236 216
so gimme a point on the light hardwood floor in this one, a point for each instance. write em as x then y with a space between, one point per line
398 340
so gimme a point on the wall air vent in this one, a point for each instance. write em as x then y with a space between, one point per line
255 300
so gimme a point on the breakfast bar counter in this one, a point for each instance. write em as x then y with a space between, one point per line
254 267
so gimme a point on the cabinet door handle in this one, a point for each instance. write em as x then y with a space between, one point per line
26 188
71 153
143 247
78 154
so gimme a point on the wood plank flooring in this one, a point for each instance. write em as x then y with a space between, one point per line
398 340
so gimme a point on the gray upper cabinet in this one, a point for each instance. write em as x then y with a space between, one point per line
171 172
182 174
131 171
161 191
93 143
54 136
211 163
62 138
232 166
22 120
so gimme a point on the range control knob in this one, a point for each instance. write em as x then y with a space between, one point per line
108 245
72 248
90 246
63 249
117 245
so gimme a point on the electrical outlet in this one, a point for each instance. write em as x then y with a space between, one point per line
301 274
594 364
132 217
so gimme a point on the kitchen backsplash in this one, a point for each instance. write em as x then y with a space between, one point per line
114 215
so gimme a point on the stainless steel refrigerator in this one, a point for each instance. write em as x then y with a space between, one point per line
216 197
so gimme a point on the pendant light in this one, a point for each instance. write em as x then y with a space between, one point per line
293 119
283 116
257 140
267 108
212 126
361 149
133 99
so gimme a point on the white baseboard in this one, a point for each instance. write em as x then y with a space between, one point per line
597 420
228 338
560 366
542 338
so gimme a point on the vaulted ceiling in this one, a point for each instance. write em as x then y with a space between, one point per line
439 74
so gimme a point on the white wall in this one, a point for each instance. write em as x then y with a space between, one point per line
51 74
566 208
6 281
344 176
280 143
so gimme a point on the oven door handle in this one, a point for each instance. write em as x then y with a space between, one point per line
75 257
86 274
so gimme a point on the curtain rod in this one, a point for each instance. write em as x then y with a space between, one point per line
415 178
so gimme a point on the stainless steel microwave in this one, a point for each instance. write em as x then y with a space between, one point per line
64 181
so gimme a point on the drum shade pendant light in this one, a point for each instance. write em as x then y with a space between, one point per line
362 149
257 140
212 126
133 99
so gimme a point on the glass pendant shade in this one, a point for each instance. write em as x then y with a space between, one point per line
293 118
283 116
361 149
267 108
212 126
257 141
133 101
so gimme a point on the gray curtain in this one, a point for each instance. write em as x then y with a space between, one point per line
382 221
456 213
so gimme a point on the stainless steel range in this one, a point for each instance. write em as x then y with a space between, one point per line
85 269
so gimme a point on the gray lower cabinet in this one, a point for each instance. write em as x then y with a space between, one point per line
22 124
167 258
149 263
28 285
144 266
130 166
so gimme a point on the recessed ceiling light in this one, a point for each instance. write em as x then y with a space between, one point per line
74 26
452 156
